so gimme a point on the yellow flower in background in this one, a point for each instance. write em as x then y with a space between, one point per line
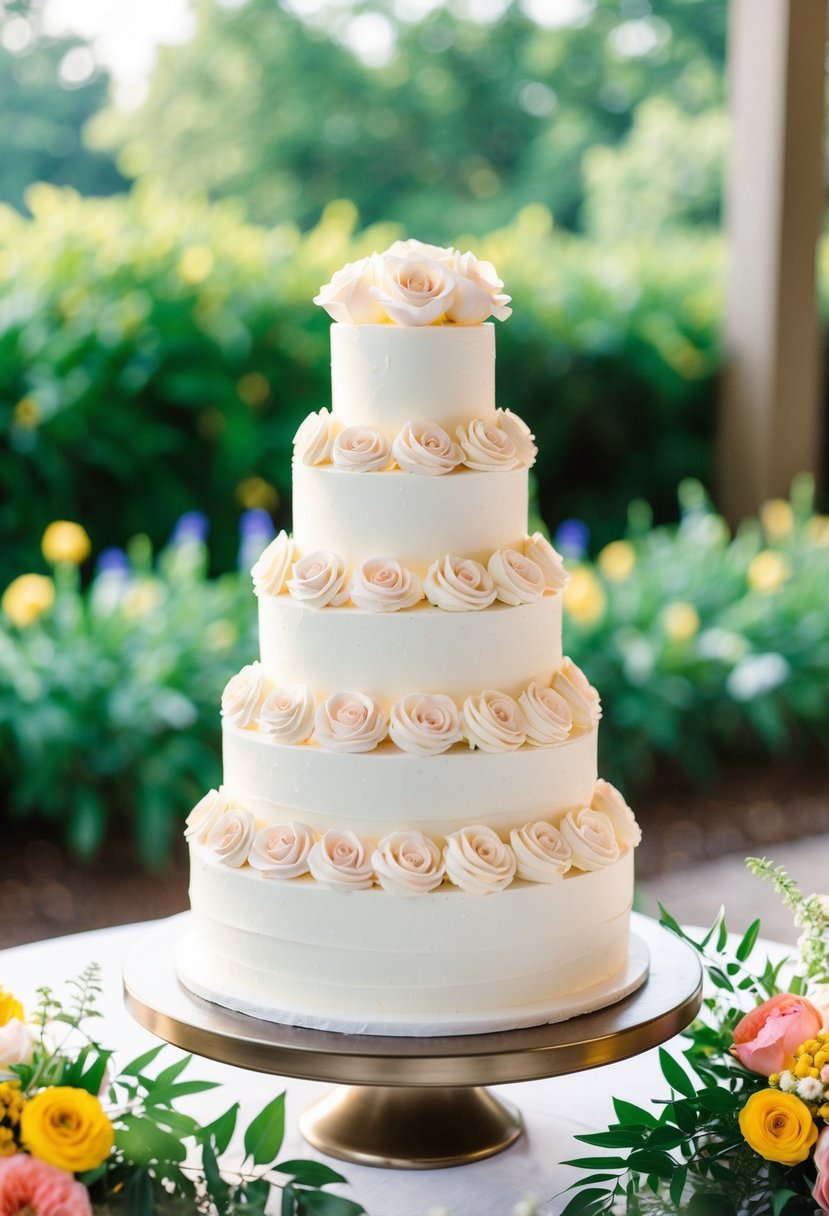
777 518
142 598
681 621
768 570
11 1108
778 1126
617 560
27 598
27 413
66 1127
817 531
254 389
64 541
195 264
584 597
256 492
10 1008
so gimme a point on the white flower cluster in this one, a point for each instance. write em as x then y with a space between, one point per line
407 863
412 283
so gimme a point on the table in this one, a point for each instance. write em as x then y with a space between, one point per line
525 1180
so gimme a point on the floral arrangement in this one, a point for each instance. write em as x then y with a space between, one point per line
77 1137
746 1129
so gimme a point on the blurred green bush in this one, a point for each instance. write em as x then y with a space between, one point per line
157 355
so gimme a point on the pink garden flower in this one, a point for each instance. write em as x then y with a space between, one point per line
821 1192
766 1039
30 1186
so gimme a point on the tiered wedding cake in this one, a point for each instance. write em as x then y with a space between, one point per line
411 836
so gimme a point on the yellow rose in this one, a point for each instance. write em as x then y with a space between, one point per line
584 599
10 1008
67 1128
768 570
616 560
64 541
681 621
778 1126
27 598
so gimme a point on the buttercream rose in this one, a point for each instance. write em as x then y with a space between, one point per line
319 579
34 1188
592 841
606 798
478 294
349 722
425 724
407 863
287 714
516 429
16 1045
243 695
67 1128
486 448
281 850
493 721
425 447
359 449
382 585
585 706
271 570
478 861
517 579
821 1192
414 290
541 852
766 1039
340 860
539 550
205 813
231 836
348 299
412 248
314 440
778 1126
459 584
547 715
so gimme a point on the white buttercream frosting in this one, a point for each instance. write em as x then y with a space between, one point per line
493 721
349 722
243 695
518 579
539 550
542 854
340 860
478 861
271 570
408 863
425 724
414 290
287 714
520 434
591 838
486 447
205 813
583 699
314 440
318 579
606 798
425 447
231 836
459 584
548 717
281 850
382 585
360 449
348 298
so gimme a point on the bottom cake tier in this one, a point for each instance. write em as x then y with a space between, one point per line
370 962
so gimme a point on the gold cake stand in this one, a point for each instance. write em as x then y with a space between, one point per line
414 1103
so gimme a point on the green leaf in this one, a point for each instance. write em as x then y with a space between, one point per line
652 1161
287 1207
623 1137
167 1094
780 1199
138 1065
718 1101
221 1130
587 1202
677 1185
168 1075
217 1188
722 936
626 1112
143 1142
676 1076
264 1135
138 1194
323 1203
597 1163
748 941
309 1173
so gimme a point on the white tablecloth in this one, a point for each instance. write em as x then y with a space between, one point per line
553 1108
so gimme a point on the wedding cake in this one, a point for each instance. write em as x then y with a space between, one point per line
411 837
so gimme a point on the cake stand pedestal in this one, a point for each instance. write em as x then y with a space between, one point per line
414 1103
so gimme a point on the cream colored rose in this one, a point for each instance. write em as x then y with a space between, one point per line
494 722
517 579
414 290
243 695
412 248
585 706
271 570
478 861
231 836
425 447
407 863
608 800
314 440
319 579
281 850
205 813
359 449
348 299
287 714
459 584
486 448
382 585
548 716
349 722
340 861
520 434
542 853
478 294
16 1046
425 724
591 838
539 550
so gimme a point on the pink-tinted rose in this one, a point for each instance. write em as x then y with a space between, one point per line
766 1039
31 1186
821 1192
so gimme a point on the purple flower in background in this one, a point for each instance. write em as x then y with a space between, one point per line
572 538
256 530
191 528
113 561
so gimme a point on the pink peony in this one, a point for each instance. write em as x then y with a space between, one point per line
766 1039
30 1186
821 1192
